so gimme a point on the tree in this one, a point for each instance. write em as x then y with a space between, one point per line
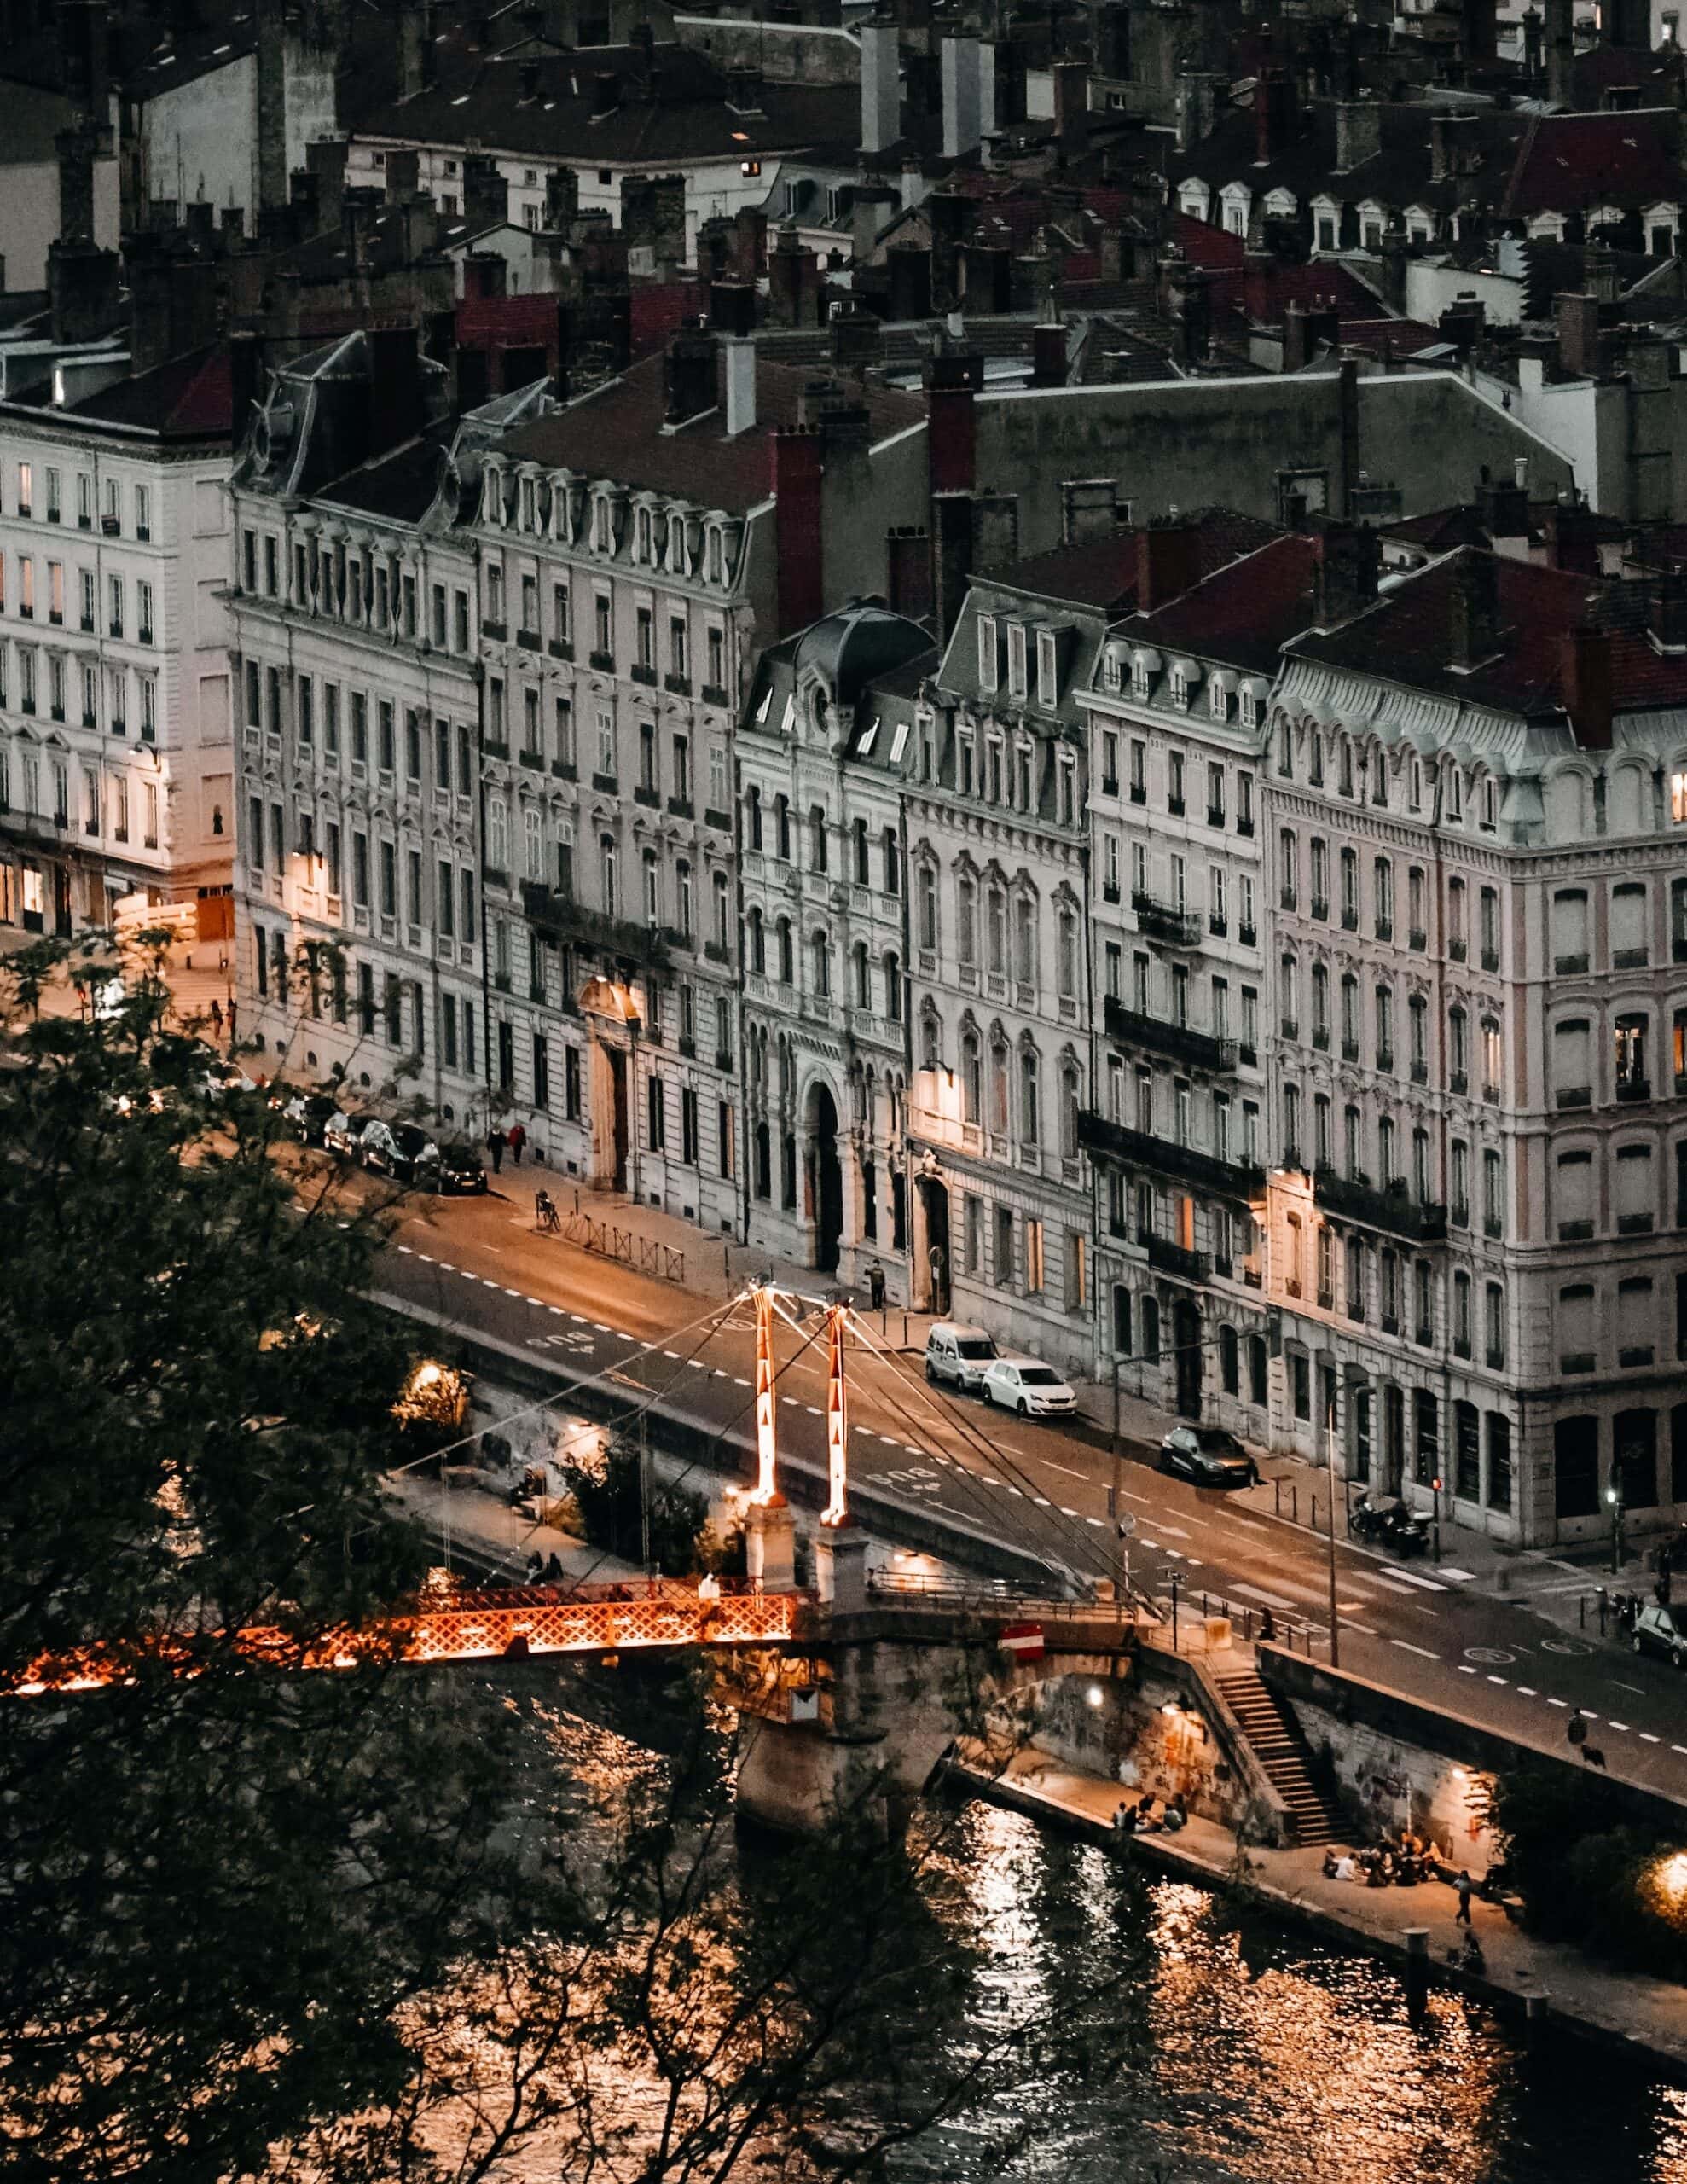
216 1891
375 1923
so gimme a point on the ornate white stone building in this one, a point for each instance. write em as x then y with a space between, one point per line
116 764
825 745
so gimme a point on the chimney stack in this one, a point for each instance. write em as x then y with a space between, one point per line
1168 561
1585 677
739 352
1071 107
881 87
690 374
1580 346
1274 113
1561 50
962 122
1474 630
1359 131
1346 557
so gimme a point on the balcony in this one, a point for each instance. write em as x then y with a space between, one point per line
1165 921
1172 1258
573 924
1217 923
1417 939
1231 1179
490 628
1392 1211
1634 1088
643 671
1289 898
529 639
1320 908
1177 1041
1109 891
1570 967
560 648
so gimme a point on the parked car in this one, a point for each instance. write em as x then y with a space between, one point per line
400 1150
343 1133
1026 1385
461 1169
1385 1520
1207 1455
223 1077
959 1355
308 1114
1660 1629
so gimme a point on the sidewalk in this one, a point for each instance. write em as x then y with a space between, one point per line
486 1532
1628 2008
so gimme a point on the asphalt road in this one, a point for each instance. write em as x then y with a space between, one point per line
1440 1632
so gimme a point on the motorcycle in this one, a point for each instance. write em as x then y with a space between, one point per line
1388 1522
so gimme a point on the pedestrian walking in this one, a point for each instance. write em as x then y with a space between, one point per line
517 1138
495 1142
232 1007
216 1018
1464 1885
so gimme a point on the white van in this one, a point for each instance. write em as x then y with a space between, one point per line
959 1355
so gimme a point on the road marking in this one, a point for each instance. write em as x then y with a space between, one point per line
1681 1748
1143 1498
602 1329
674 1354
1588 1714
515 1292
408 1252
445 1266
1014 1490
1501 1681
1646 1737
1363 1629
1267 1599
1065 1511
1636 1688
557 1313
1042 1501
1096 1521
722 1373
1458 1577
739 1380
1464 1668
1527 1691
1172 1531
1065 1470
1412 1577
1249 1524
1175 1553
1558 1702
814 1411
1406 1646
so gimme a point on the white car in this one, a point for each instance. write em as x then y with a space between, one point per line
959 1355
1026 1385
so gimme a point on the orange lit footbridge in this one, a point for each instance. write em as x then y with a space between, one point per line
452 1622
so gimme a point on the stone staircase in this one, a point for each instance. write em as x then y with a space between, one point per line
1275 1736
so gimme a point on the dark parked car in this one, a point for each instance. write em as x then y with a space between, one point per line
1660 1630
461 1169
1385 1521
402 1151
307 1115
1207 1455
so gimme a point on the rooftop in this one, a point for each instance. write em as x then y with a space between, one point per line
1102 572
617 432
1244 612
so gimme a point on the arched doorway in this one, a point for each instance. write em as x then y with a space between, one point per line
934 1205
824 1178
1186 1338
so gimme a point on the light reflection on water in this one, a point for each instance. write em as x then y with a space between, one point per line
1254 2056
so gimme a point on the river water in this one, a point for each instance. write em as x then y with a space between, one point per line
1249 2054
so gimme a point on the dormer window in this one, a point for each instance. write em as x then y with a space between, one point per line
989 663
645 550
1249 707
1455 793
1048 669
1139 677
1217 699
600 524
1015 659
530 504
1490 819
1112 670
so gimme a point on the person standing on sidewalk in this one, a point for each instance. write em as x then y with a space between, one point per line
215 1017
233 1005
1465 1885
517 1138
495 1141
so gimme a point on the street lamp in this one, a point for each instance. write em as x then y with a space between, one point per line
1614 1495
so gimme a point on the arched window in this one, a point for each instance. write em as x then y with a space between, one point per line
863 873
817 845
612 875
758 943
971 1078
893 986
821 950
722 912
966 899
1025 941
999 1086
1230 1376
1071 1095
1030 1101
996 937
925 885
787 968
863 976
682 893
893 863
752 816
1067 966
931 1040
782 828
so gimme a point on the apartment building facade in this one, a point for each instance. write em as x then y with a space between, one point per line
1474 794
1177 717
999 873
824 747
116 762
353 606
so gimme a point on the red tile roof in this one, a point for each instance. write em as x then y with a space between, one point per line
1568 162
616 432
1406 637
1101 572
1245 613
188 397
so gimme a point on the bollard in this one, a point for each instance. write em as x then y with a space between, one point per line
905 1330
1315 1511
1277 1494
1602 1605
1416 1940
1295 1503
727 1261
1535 2012
1582 1612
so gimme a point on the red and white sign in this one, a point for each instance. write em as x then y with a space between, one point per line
1024 1641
